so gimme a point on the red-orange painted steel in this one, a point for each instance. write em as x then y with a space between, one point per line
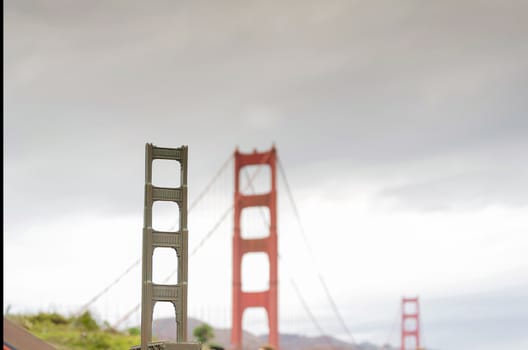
267 299
414 332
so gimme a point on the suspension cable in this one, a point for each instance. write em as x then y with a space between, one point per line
304 303
136 263
292 281
195 250
101 293
334 307
305 239
207 236
210 184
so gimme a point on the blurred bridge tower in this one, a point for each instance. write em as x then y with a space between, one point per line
410 325
267 299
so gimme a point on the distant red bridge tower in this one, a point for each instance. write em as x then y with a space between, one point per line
410 325
266 299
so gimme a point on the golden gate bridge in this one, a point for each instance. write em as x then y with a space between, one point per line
254 191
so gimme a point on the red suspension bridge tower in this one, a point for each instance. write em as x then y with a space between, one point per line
410 325
267 299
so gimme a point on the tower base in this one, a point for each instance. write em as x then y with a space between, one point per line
167 345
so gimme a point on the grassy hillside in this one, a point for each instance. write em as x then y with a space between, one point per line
76 333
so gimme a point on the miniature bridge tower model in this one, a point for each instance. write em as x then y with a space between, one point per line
152 239
266 299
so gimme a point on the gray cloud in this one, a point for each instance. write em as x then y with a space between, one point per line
364 84
498 178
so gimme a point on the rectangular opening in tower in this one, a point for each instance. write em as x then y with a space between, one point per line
255 179
410 325
410 343
255 321
166 173
255 272
165 216
254 222
409 308
164 266
164 322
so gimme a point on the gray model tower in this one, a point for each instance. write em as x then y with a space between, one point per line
152 239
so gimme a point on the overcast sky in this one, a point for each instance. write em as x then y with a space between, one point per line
402 127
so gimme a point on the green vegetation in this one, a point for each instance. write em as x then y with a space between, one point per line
204 334
77 333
